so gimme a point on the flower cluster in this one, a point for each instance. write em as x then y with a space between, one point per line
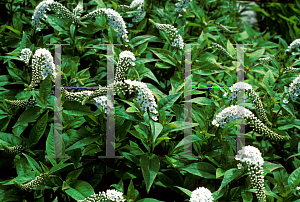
78 10
294 89
40 12
250 93
145 96
140 7
252 157
114 18
172 32
221 50
25 55
42 65
294 46
33 183
266 60
22 103
238 112
101 101
292 69
201 194
110 194
14 150
126 59
182 5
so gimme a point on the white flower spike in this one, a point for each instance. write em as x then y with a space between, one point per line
234 112
252 157
201 194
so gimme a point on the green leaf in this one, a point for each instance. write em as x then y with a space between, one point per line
59 167
167 102
76 109
83 142
289 108
45 89
202 169
201 101
28 116
141 48
25 41
269 79
272 166
294 179
186 191
150 166
73 175
79 190
142 39
230 48
34 165
230 175
50 147
131 192
38 130
156 129
9 139
164 55
247 196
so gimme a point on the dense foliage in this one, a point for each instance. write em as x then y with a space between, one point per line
60 153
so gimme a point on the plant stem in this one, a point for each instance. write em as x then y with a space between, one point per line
276 115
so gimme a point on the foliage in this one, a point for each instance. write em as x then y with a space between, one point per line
56 148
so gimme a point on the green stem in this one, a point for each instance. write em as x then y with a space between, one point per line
276 115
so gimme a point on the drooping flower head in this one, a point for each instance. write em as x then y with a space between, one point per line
201 194
221 50
51 5
235 112
110 195
25 55
251 94
114 18
294 89
294 46
38 180
171 32
252 157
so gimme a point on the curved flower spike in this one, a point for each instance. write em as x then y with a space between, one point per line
292 69
110 195
42 65
221 50
238 112
32 184
145 96
25 55
114 18
201 194
294 89
252 157
80 96
22 103
172 32
40 12
251 94
14 150
294 46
